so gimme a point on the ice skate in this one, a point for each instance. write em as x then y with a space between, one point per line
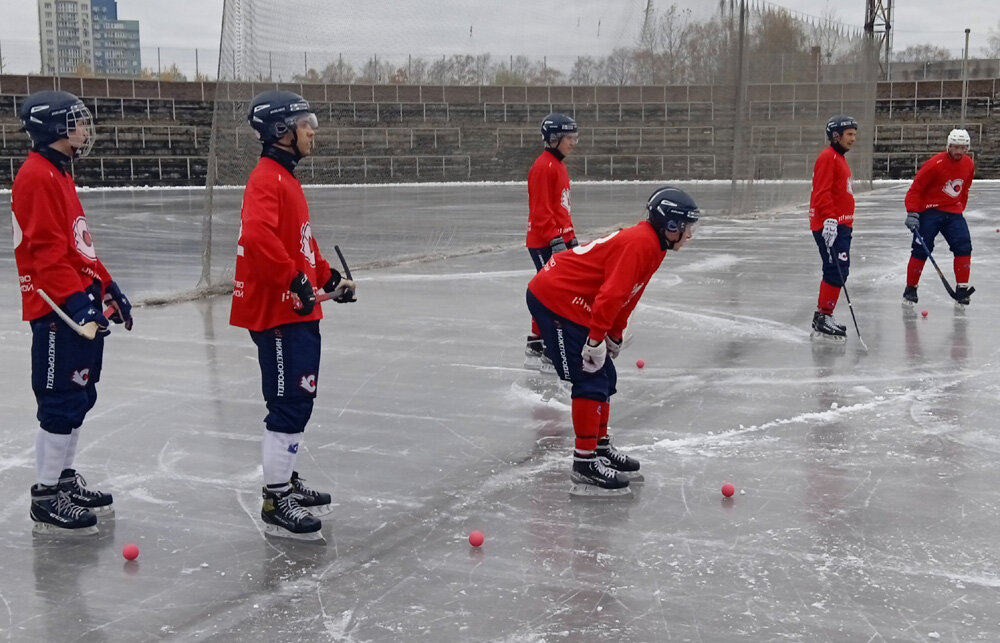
909 296
284 517
626 466
76 486
826 328
317 502
54 513
535 358
593 478
962 294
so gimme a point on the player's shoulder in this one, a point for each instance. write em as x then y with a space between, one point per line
36 169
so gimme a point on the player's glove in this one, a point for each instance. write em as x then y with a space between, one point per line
829 232
613 345
557 245
122 306
343 290
82 309
304 290
593 356
572 243
912 221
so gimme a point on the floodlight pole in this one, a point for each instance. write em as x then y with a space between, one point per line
965 75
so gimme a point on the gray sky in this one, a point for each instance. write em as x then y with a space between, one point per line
527 27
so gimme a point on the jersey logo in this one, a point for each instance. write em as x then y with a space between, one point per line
306 247
81 237
565 200
953 187
308 383
293 448
80 377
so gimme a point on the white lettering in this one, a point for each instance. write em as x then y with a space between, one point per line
280 357
50 374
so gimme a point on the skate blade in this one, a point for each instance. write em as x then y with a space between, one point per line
320 511
632 476
103 512
590 491
830 339
908 305
275 531
46 529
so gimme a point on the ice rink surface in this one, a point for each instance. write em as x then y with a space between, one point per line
868 495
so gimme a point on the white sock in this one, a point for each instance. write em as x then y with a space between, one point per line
50 456
74 438
278 453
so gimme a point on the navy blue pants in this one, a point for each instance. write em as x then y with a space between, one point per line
564 341
952 227
841 253
65 369
540 256
289 368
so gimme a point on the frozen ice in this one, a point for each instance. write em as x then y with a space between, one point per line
874 505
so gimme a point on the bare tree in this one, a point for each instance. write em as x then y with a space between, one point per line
619 67
586 71
926 52
992 49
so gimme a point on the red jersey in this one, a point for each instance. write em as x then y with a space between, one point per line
275 244
548 201
832 196
942 183
599 284
52 244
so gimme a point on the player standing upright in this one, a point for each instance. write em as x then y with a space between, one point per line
277 263
935 203
550 228
831 219
55 254
582 300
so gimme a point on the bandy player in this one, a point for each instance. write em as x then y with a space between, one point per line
550 226
935 203
582 299
277 263
55 254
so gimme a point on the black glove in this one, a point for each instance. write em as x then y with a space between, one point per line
304 289
122 306
572 243
913 221
557 245
82 309
343 289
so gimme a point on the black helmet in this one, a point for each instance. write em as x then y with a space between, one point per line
274 113
838 124
555 126
51 115
671 209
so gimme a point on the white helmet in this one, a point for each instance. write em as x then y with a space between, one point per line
959 137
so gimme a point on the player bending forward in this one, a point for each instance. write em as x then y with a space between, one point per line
831 219
935 203
277 263
55 254
582 300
